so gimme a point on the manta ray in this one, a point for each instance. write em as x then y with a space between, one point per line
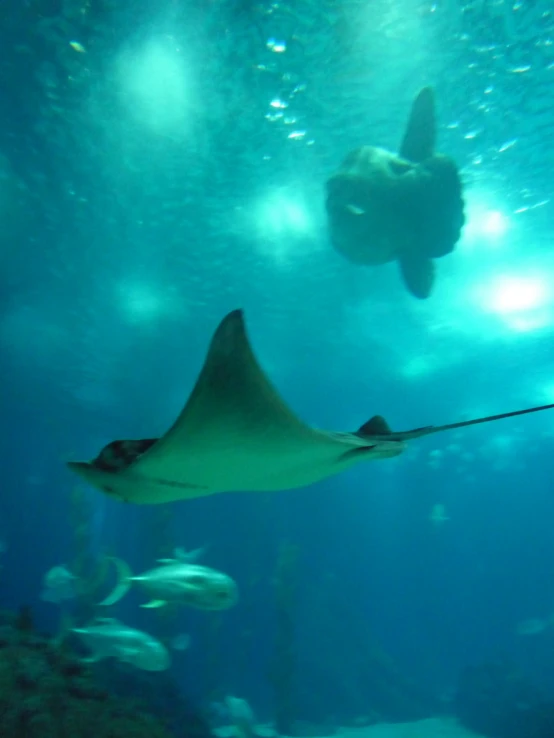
408 208
236 433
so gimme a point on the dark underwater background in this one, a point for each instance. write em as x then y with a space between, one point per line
163 163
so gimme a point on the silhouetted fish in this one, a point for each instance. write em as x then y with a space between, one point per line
384 207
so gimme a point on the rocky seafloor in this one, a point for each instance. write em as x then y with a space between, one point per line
47 691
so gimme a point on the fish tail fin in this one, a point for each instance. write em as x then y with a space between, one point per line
123 585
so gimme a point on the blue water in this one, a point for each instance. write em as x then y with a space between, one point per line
165 163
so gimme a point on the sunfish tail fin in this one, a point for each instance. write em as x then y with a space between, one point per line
418 274
123 585
430 429
419 138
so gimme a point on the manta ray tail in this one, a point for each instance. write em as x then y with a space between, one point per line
430 429
419 138
123 585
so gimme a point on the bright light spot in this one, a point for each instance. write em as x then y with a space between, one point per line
548 393
501 444
522 302
143 303
139 302
484 222
495 224
281 219
419 366
296 135
280 215
520 324
156 83
273 117
277 46
516 294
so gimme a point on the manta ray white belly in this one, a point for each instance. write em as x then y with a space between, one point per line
230 464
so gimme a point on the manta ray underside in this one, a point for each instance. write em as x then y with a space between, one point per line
236 433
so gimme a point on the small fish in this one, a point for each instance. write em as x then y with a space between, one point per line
532 626
59 584
109 638
438 515
177 581
241 716
181 642
76 46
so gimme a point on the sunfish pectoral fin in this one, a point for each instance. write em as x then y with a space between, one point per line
419 138
154 603
124 580
418 273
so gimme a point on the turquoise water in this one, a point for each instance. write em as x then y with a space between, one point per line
163 164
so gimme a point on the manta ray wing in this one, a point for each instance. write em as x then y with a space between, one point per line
234 433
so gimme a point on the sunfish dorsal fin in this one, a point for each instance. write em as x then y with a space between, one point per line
375 426
419 138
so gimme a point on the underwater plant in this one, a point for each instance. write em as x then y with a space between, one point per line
283 665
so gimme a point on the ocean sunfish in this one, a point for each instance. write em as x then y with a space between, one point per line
408 208
236 433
